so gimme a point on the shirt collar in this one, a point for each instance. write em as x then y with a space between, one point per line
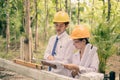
63 34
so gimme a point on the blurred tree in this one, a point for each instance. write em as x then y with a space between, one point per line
109 10
56 1
8 27
66 5
28 40
36 27
46 19
78 12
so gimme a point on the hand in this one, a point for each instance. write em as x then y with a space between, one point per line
49 64
71 67
74 73
50 57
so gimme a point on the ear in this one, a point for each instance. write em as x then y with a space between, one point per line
66 25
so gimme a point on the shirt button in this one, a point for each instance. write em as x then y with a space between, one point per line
60 46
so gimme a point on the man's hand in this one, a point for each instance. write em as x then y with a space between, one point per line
50 57
71 67
49 64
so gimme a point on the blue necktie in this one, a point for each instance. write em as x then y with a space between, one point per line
54 48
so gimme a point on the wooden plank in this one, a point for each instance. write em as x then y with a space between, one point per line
23 70
27 64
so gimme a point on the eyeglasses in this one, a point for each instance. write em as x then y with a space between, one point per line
59 25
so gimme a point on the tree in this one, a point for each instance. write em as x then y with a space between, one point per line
104 7
46 20
36 27
78 12
66 5
28 41
56 1
60 4
70 13
8 28
109 10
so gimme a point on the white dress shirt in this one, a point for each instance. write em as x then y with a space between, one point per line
89 61
64 51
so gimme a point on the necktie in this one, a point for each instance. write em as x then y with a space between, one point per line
53 50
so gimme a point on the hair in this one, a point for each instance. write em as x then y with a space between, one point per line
86 39
66 23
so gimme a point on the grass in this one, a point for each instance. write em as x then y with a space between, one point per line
15 52
10 55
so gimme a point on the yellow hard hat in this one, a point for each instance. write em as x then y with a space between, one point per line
80 31
61 16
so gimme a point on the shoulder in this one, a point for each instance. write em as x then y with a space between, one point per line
92 47
52 37
68 38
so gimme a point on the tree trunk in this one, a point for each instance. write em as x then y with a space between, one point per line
46 20
91 21
104 7
66 5
22 48
70 10
28 40
56 5
70 15
78 12
8 33
93 2
109 10
8 29
36 27
60 4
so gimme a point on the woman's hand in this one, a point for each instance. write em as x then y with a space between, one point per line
71 67
74 73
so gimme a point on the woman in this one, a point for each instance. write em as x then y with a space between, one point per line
86 58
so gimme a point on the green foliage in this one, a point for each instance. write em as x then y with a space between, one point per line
105 37
11 55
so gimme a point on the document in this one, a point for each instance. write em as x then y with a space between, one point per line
52 63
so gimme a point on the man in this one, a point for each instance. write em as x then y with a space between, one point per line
60 47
